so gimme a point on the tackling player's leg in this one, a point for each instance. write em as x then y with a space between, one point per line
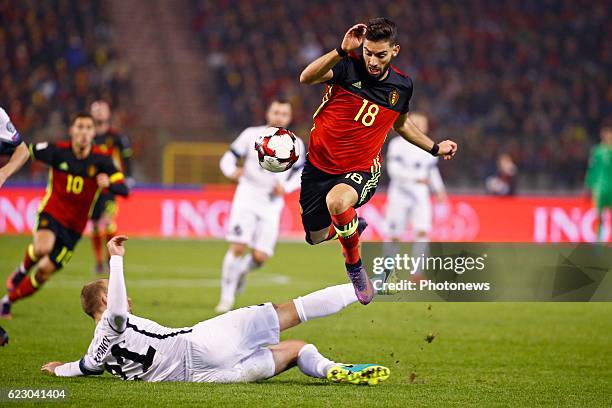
289 353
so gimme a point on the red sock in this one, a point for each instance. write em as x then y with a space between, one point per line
346 225
26 287
29 259
96 243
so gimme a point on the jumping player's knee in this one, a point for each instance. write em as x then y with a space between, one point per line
341 198
337 204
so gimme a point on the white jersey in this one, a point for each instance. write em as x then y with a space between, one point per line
256 185
228 348
409 166
9 136
145 350
413 173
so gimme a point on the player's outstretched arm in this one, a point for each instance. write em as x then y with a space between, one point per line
17 160
320 70
117 300
72 369
409 131
117 307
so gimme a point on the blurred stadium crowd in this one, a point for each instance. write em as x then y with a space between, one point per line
528 78
55 59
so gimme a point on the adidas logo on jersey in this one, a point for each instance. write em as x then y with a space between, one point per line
357 84
63 166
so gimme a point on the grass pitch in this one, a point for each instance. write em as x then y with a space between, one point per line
440 354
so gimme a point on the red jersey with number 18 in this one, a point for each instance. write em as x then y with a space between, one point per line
355 116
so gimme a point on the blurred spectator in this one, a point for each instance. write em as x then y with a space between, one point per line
55 59
526 77
503 182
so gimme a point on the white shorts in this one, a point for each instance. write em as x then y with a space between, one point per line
246 226
233 347
408 204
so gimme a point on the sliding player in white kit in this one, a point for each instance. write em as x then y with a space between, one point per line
240 346
413 176
257 206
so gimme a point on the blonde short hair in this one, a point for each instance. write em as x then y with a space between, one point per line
91 296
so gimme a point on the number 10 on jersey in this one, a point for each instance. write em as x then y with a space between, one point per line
368 118
74 184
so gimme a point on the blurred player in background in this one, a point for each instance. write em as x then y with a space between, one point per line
105 209
413 176
599 176
240 346
503 182
11 144
257 206
78 171
365 97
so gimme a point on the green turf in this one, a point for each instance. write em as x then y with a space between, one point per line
485 354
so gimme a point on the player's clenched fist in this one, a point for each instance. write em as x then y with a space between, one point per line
448 148
103 180
115 245
353 37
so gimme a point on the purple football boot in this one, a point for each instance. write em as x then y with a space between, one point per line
361 282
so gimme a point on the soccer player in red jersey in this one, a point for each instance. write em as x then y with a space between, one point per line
365 98
105 209
78 171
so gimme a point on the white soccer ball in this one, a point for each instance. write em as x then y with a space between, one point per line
277 149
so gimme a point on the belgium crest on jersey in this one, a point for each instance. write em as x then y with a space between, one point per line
394 97
91 171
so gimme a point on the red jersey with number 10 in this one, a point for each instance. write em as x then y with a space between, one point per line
72 188
355 116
